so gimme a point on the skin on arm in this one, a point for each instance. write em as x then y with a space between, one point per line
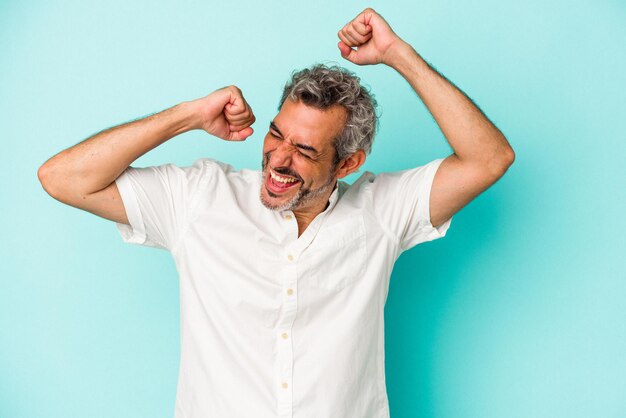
481 152
84 175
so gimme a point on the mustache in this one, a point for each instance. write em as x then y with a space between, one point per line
285 171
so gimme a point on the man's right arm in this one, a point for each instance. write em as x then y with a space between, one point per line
84 175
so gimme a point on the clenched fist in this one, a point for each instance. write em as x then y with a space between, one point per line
226 114
374 39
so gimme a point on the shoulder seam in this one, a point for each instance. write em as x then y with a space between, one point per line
193 203
386 230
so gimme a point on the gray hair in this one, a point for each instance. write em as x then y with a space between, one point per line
322 86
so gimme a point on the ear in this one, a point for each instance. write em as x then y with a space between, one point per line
350 164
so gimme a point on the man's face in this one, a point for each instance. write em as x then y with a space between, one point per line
298 156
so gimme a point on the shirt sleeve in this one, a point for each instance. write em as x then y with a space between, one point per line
401 202
158 202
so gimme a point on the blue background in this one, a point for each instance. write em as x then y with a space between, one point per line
518 312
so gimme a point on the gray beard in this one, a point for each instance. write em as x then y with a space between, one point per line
302 199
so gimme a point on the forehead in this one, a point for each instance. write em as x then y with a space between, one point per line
318 127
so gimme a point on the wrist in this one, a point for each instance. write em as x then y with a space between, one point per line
398 53
408 62
190 115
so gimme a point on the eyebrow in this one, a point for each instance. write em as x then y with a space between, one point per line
303 146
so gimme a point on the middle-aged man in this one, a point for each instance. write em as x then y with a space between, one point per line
282 295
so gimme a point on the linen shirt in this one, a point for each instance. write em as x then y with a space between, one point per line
273 325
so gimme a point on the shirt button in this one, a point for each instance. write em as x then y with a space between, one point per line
288 217
290 257
285 385
290 291
284 335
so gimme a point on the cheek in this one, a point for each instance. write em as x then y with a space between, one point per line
310 173
269 146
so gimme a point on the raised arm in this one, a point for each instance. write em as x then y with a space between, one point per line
84 175
481 152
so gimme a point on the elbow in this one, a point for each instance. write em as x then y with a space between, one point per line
41 173
509 157
500 161
44 174
60 185
505 161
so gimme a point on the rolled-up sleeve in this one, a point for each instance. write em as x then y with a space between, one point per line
158 202
401 202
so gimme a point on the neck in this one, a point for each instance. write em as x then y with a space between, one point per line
305 215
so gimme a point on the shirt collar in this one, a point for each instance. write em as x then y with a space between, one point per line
334 196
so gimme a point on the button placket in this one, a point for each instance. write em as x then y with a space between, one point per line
284 366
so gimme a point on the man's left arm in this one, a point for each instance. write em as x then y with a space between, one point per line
481 152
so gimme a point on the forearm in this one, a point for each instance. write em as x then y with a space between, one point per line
96 162
468 131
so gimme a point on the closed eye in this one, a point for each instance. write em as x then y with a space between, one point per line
298 146
305 155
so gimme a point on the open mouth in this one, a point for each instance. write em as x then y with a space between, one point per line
277 183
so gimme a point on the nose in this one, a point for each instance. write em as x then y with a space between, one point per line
281 156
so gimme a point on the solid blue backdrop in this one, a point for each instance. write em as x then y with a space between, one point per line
518 312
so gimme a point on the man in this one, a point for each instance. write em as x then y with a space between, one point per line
284 272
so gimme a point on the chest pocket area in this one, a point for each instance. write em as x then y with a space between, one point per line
337 256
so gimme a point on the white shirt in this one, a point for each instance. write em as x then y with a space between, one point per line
273 325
